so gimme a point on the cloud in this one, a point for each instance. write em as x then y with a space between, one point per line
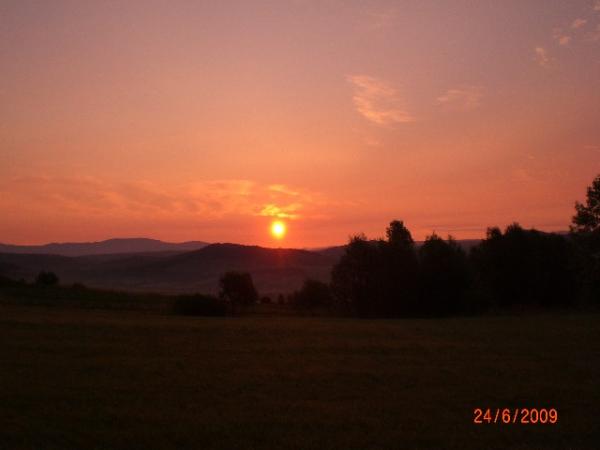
281 212
89 197
597 6
578 23
541 57
282 188
377 101
562 38
463 98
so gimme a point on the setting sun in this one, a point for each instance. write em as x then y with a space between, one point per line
278 229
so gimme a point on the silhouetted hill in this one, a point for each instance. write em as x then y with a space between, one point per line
110 246
273 270
150 266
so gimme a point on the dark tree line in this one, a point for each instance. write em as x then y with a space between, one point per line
392 278
516 268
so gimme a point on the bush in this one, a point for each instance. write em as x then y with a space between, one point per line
199 305
313 294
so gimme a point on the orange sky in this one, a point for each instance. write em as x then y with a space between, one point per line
183 121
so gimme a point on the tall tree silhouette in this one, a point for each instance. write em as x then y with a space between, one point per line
237 288
585 233
443 276
378 278
523 267
587 217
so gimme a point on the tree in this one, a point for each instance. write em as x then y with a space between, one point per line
523 267
237 288
378 278
352 277
587 217
398 235
46 279
585 234
443 276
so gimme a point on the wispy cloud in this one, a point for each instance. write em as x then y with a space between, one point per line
89 197
377 101
564 40
541 56
561 37
576 31
464 98
281 212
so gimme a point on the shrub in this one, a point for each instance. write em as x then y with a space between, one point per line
313 294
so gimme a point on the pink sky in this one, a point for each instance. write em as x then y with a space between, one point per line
183 121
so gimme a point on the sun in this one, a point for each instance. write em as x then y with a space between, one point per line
278 229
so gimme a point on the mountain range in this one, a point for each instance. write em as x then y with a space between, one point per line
110 246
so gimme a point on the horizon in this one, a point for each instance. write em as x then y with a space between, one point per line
184 120
283 247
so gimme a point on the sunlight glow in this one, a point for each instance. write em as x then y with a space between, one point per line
278 229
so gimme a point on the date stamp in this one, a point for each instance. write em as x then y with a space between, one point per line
522 416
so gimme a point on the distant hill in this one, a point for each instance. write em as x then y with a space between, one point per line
110 246
273 270
147 265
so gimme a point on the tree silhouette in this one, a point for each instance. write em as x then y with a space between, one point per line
352 277
398 235
378 278
443 276
237 288
587 217
585 234
523 267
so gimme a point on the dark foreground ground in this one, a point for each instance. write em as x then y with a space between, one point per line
76 379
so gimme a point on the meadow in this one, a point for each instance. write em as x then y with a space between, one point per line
99 379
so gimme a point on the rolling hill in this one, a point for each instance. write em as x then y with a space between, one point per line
107 247
273 270
163 267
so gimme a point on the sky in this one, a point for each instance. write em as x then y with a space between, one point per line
208 120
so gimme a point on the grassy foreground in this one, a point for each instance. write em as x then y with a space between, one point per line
76 379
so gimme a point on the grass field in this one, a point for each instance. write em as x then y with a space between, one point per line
77 379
